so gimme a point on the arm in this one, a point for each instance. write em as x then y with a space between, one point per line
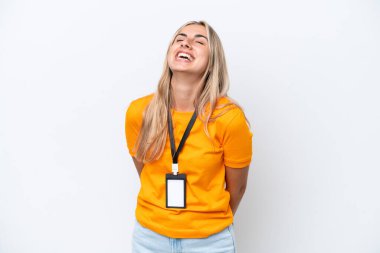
139 165
236 183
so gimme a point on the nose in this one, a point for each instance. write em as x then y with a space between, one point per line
185 43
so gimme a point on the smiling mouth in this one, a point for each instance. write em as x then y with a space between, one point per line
184 56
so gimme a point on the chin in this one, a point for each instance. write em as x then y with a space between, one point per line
176 68
180 68
183 71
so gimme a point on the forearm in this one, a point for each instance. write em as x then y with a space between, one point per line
235 197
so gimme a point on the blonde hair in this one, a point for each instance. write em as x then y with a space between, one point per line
152 137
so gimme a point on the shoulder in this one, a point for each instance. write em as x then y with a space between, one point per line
141 103
230 119
227 109
137 107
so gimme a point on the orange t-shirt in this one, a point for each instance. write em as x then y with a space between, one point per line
202 160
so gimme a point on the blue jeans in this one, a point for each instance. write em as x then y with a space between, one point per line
145 240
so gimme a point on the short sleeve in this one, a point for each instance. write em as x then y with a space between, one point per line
237 141
132 127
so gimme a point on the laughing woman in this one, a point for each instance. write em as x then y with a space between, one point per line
192 147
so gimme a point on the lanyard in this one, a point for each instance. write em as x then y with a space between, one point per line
175 153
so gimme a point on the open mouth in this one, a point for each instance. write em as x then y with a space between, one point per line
185 56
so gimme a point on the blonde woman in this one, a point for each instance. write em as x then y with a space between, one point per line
192 147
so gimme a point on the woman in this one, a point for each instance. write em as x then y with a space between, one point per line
192 147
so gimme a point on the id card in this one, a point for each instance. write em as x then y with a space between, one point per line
175 191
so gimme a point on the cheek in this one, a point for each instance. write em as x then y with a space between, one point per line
170 56
171 50
205 56
205 59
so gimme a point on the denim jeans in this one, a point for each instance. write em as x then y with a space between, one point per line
145 240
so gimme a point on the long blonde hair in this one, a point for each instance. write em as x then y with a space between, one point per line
152 137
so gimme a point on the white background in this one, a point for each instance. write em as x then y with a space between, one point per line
306 72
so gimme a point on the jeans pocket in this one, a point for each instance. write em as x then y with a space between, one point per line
232 232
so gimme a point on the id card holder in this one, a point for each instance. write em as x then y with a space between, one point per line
175 190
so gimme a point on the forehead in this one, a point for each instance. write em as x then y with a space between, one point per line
191 30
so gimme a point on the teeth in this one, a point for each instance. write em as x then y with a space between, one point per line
185 55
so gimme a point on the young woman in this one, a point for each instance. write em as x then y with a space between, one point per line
192 147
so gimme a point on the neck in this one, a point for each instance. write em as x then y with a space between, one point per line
184 91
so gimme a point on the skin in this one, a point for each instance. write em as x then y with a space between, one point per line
186 81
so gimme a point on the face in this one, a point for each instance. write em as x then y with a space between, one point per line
189 52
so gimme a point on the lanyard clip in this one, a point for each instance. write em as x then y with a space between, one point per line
175 168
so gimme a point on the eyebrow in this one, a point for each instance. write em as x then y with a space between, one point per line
196 35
